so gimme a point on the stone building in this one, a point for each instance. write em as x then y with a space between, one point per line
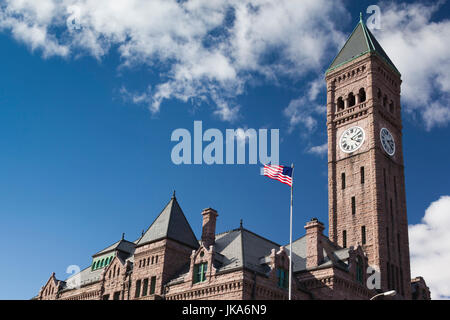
368 228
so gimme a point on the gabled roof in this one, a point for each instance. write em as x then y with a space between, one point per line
360 42
171 223
333 255
121 245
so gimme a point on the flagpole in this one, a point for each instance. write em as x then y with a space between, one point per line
290 237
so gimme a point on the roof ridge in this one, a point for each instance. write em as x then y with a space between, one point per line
346 41
185 219
261 237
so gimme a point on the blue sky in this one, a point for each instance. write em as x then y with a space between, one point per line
86 120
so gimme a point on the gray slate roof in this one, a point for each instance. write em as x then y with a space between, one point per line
333 255
360 42
83 278
121 245
242 248
171 223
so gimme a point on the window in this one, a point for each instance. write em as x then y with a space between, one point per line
152 285
401 282
391 107
363 178
106 297
389 275
395 188
340 104
353 205
351 100
145 287
363 235
153 259
200 272
359 270
138 289
343 180
116 295
393 282
387 241
344 239
156 259
362 95
282 279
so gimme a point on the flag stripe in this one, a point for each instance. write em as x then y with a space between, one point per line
276 173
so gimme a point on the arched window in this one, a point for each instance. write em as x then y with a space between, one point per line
362 95
153 259
351 99
391 107
340 104
103 262
385 101
359 270
379 94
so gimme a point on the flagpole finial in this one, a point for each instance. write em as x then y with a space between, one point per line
241 225
173 195
360 17
123 235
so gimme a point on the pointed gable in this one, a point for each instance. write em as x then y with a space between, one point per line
360 42
171 223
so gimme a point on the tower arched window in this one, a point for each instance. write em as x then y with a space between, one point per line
340 104
385 101
362 95
379 94
351 99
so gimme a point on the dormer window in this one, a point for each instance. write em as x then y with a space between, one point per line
282 278
200 272
359 270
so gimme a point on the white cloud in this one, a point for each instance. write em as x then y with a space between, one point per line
420 50
209 51
430 248
319 150
303 112
206 51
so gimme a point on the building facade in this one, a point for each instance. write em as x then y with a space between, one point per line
366 252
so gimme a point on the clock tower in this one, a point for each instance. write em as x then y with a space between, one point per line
367 203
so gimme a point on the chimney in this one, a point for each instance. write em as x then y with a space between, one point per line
314 249
209 227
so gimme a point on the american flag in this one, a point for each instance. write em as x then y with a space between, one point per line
280 173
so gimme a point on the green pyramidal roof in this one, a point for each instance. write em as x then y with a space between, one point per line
361 42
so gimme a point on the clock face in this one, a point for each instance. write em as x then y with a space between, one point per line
352 139
387 141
